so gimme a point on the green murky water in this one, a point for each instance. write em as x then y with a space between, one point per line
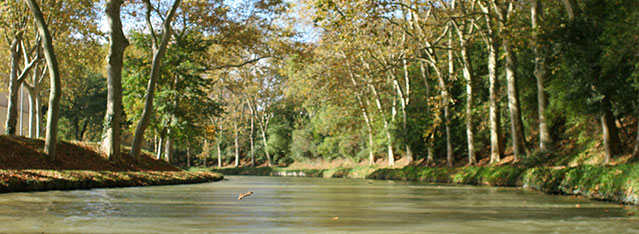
310 205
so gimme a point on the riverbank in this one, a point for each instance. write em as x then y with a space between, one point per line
43 180
80 165
618 183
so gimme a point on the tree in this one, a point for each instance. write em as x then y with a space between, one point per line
504 12
20 49
489 36
464 33
113 119
83 113
54 75
158 54
540 75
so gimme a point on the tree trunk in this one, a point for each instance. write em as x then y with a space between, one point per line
610 135
369 128
405 95
10 124
32 112
169 154
251 138
206 155
572 8
39 118
219 154
371 142
367 120
160 146
54 75
111 138
380 108
237 143
168 148
188 157
451 71
516 123
35 115
496 141
158 54
470 134
540 74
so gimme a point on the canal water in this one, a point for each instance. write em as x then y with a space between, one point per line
310 205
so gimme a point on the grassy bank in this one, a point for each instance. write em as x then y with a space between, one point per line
80 165
611 183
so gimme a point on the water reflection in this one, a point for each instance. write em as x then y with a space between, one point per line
309 205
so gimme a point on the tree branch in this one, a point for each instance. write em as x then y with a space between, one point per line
240 64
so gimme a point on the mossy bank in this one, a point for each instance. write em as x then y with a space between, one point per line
43 180
610 183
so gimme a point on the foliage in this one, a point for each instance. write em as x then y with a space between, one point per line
82 114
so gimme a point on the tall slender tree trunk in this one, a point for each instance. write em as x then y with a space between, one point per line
470 134
32 112
516 123
251 138
10 124
496 141
54 75
400 94
405 95
113 118
371 142
158 54
451 71
540 74
237 143
504 10
39 112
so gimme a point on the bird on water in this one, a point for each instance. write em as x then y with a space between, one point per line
249 193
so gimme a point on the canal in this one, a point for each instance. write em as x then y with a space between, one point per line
310 205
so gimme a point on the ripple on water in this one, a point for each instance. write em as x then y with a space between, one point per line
308 205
